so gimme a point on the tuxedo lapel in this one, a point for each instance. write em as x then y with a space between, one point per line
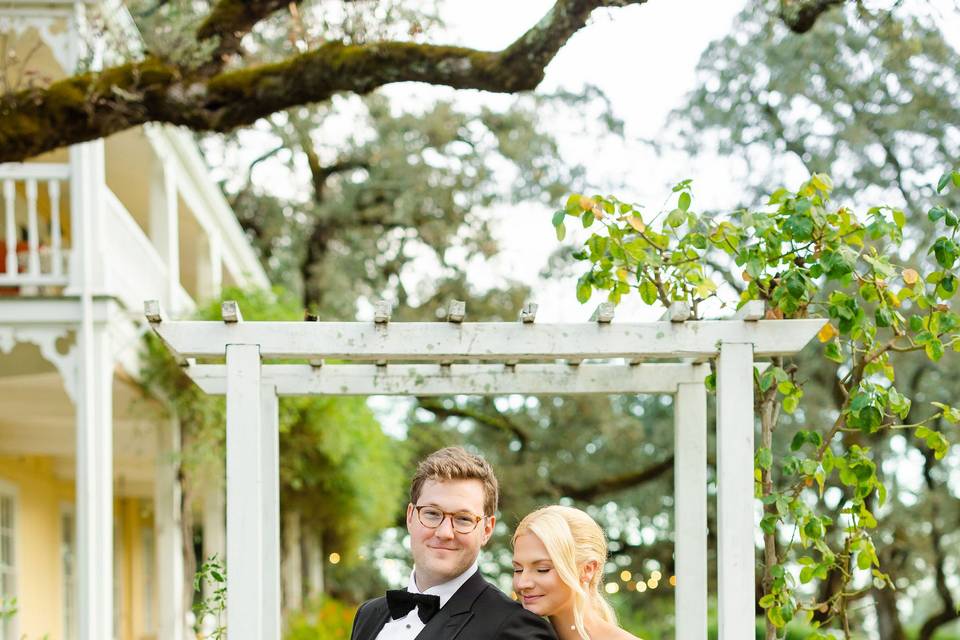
456 613
373 620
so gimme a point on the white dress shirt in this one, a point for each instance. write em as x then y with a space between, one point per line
410 626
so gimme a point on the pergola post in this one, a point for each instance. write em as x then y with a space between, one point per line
690 507
735 535
270 509
245 490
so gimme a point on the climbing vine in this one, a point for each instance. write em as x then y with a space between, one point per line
803 256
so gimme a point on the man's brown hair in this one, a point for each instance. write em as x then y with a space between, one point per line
456 463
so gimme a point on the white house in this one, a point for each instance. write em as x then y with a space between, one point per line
90 543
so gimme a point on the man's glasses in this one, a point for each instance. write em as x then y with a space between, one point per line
462 521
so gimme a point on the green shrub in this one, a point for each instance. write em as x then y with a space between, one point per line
327 620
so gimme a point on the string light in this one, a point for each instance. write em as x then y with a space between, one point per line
641 587
652 583
625 575
612 587
673 581
334 558
656 575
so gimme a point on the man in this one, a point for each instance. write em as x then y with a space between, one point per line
453 499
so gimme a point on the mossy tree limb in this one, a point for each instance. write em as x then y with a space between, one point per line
801 15
230 20
91 106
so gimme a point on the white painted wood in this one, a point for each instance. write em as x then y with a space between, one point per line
735 535
603 313
168 533
87 202
164 223
56 234
10 227
752 310
94 486
245 549
34 170
678 312
382 311
292 565
270 510
136 270
433 380
152 311
209 267
456 311
528 313
214 526
230 311
33 229
690 507
494 341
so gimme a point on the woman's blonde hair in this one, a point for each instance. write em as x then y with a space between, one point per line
573 539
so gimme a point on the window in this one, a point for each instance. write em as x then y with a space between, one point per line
8 565
68 560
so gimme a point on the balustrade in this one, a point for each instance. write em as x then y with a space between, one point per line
33 252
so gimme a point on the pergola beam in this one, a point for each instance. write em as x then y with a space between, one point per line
491 341
460 379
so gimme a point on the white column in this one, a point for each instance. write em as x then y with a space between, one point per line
165 224
736 563
690 508
292 567
169 547
209 268
270 510
87 185
245 548
94 486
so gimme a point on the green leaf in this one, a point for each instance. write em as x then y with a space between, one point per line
790 403
584 289
764 458
683 202
944 181
899 218
648 292
561 230
676 217
934 349
558 217
832 352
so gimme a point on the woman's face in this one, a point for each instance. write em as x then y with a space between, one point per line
535 580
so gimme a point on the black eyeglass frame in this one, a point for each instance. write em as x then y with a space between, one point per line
477 519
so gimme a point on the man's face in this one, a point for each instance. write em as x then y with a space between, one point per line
442 554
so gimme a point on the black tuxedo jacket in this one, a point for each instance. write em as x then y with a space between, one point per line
477 611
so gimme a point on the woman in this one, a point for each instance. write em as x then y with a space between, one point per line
558 558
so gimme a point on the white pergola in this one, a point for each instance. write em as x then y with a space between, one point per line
670 356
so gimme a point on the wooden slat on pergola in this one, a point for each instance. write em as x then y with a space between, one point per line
670 356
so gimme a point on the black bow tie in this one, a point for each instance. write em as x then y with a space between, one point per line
402 602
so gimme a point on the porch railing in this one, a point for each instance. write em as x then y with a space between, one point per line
33 250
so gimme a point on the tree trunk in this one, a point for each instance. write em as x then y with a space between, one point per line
888 617
314 558
292 563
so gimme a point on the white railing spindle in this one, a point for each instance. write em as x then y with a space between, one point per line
33 230
56 244
11 227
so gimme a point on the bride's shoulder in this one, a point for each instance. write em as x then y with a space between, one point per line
613 632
